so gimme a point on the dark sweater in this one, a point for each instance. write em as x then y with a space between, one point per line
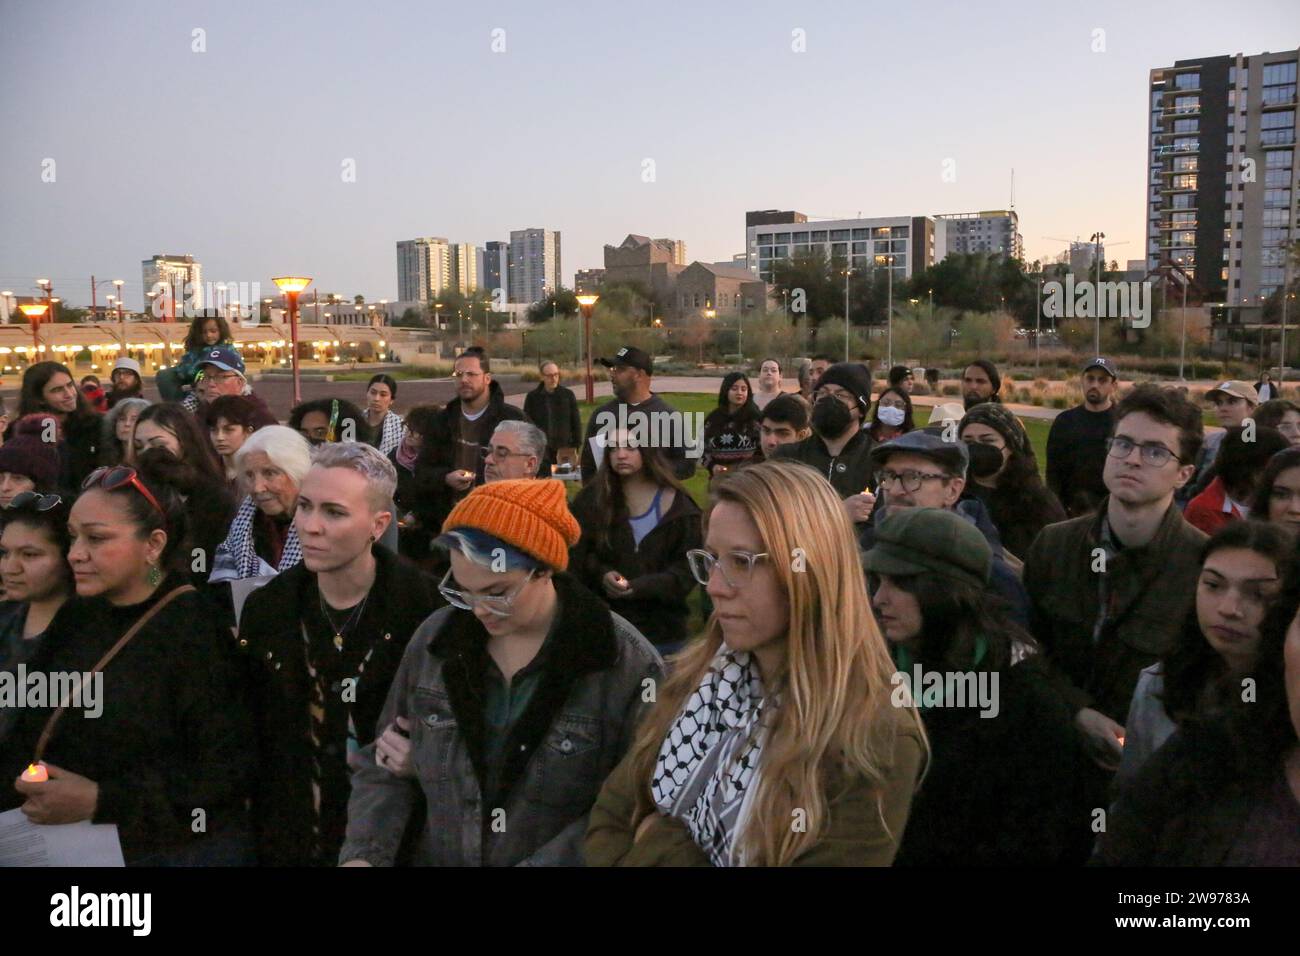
657 570
1076 454
997 791
173 734
555 413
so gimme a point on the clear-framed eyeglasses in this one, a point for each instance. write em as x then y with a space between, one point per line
1153 454
737 567
502 605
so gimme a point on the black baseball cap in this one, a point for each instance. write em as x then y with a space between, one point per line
1102 363
632 356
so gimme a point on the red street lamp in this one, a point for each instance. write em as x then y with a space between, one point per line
292 287
587 303
34 311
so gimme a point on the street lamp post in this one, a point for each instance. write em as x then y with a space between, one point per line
1096 238
34 311
587 302
847 273
292 287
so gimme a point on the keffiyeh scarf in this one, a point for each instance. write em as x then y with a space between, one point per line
236 557
390 435
707 767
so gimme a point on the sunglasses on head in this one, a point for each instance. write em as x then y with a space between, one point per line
33 501
114 477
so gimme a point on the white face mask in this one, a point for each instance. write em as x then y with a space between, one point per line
890 415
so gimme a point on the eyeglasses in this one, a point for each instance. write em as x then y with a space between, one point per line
112 478
737 567
911 480
33 501
502 605
501 453
1153 453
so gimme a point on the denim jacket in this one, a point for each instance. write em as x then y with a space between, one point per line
574 731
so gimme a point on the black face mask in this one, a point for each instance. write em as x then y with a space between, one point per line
985 460
830 417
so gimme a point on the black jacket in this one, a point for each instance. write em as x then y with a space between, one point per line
676 452
1076 454
997 790
555 413
173 735
1190 804
271 638
660 577
434 500
849 472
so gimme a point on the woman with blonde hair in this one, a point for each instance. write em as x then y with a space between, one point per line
775 741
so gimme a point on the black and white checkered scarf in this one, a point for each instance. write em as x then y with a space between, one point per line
236 557
708 763
390 435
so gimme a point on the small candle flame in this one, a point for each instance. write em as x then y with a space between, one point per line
36 773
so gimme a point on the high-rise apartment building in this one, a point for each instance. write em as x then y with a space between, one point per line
534 264
996 231
174 271
1221 178
464 267
496 268
424 268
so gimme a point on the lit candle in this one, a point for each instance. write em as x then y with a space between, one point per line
36 773
1121 741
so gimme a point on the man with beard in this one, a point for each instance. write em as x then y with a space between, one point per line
630 371
981 382
448 468
1076 444
839 448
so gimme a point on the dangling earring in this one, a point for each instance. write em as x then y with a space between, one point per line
155 576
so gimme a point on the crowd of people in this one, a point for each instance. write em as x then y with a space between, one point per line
372 638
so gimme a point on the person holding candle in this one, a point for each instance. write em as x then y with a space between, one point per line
1224 790
999 787
323 641
638 521
521 697
780 713
36 577
1242 570
159 749
731 431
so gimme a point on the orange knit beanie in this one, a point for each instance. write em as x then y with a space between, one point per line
527 513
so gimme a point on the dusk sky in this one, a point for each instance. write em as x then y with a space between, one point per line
236 154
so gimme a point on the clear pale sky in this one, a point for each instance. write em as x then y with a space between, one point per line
235 154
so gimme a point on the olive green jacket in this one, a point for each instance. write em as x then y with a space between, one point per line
865 826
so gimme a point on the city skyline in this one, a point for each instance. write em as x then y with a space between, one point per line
240 154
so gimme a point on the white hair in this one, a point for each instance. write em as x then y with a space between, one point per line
367 461
532 440
286 449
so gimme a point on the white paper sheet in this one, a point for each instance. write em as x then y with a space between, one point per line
23 843
597 443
